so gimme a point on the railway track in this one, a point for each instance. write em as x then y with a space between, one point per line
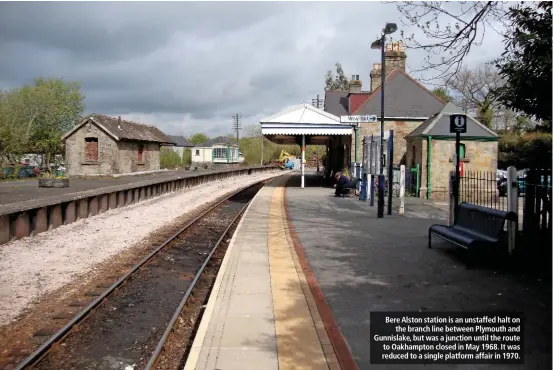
147 319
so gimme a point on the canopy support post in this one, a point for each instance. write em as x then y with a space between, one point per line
302 161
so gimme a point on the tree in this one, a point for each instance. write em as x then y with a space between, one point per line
441 92
339 82
62 106
198 138
452 30
526 62
475 89
34 117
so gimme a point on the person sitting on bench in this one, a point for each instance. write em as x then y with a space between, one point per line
343 184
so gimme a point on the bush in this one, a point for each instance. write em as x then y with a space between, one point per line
530 150
168 158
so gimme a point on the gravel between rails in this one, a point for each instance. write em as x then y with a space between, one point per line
32 267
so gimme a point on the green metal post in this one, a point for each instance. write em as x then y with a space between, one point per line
428 165
418 174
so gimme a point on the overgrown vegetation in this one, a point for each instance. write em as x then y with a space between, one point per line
168 158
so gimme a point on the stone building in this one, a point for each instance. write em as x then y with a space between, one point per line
407 103
102 145
432 147
407 106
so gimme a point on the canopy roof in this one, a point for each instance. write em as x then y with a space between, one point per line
437 126
291 123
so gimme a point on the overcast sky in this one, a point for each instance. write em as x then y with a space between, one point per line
188 67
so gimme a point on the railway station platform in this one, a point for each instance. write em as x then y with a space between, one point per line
305 269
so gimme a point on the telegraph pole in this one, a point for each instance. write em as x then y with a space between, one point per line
317 102
237 125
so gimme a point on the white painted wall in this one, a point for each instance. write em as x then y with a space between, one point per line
201 155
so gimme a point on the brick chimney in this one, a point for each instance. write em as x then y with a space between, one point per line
376 76
394 57
355 85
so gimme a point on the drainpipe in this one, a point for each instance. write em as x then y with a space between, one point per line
428 166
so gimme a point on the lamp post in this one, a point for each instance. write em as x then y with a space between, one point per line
381 44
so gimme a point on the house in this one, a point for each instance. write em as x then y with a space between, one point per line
218 150
432 148
407 103
102 145
181 144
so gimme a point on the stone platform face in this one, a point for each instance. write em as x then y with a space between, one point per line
53 207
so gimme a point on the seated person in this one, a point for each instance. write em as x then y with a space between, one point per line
343 184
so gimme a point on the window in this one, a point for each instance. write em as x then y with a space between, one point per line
413 159
141 153
91 149
219 153
198 152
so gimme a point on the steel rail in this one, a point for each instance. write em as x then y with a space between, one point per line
155 356
40 352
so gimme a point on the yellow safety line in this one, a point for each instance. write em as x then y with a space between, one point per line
298 344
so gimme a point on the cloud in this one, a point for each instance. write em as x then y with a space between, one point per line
188 66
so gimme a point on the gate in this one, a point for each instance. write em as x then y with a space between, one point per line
535 186
412 181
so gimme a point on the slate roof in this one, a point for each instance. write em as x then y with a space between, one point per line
180 141
405 97
438 125
216 140
336 102
124 129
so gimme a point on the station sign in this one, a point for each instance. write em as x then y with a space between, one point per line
357 119
458 123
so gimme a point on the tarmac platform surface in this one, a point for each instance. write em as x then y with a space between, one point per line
264 313
14 191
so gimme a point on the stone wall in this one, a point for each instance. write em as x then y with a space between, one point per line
75 152
479 156
128 157
401 129
113 157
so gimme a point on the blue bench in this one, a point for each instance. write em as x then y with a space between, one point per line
475 227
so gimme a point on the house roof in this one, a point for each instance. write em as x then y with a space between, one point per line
180 141
405 98
123 129
336 102
217 140
438 125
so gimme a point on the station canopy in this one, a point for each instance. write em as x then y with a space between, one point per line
290 124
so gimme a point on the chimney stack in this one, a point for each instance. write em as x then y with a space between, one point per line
394 57
376 76
355 85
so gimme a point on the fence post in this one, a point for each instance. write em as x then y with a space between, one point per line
401 189
451 202
512 206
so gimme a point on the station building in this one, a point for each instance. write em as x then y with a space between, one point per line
419 120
